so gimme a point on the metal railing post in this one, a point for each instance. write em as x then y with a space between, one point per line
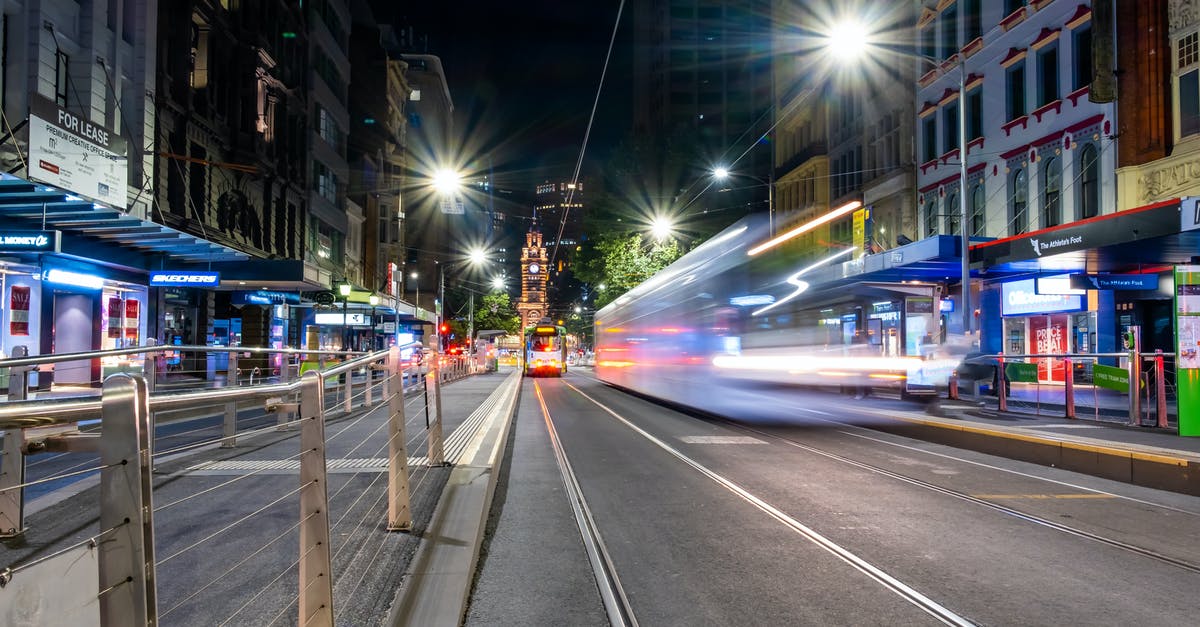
1135 376
316 573
1069 388
399 506
150 366
347 391
369 392
437 451
126 551
1160 388
231 371
1002 383
12 465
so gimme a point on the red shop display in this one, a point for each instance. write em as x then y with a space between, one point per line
1049 336
18 308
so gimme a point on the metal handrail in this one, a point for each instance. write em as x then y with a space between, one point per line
25 414
977 358
39 360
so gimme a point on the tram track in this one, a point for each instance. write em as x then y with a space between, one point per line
958 494
886 580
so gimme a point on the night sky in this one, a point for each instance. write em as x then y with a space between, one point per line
523 77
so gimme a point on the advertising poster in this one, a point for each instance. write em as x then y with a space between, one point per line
76 154
131 320
116 309
1187 336
1049 336
18 311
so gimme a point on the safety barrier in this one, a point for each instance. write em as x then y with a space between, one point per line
123 437
1137 391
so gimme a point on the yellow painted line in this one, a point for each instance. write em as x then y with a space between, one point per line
1043 496
1091 448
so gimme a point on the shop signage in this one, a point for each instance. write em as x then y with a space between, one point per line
264 297
324 298
389 328
336 320
116 313
1056 284
75 279
28 241
1021 372
1021 298
946 305
71 152
1189 213
184 278
1111 377
1114 281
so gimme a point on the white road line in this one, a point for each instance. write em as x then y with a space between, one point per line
906 592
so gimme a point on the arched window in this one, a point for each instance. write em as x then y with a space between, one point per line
930 218
1018 193
1089 182
952 211
1052 192
978 219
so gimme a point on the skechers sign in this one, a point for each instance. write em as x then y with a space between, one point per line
173 278
28 241
1021 298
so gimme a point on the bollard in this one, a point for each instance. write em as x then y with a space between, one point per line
1001 383
399 506
12 465
952 386
1069 388
316 574
1160 389
126 552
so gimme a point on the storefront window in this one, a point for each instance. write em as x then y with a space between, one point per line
1018 220
1052 192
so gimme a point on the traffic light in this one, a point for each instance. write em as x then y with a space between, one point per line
445 328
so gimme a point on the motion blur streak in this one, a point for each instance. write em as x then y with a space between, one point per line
806 227
808 362
802 286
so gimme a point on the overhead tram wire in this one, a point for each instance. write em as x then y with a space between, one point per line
586 134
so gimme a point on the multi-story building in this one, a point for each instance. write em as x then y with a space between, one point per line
559 211
701 69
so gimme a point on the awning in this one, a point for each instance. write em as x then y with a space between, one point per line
99 233
1150 236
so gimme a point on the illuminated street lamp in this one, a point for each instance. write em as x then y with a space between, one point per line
417 305
850 40
662 227
447 181
721 173
498 283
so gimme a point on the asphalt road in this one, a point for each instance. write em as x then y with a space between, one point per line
799 513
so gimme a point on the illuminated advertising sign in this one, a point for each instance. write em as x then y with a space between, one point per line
74 279
184 278
1021 298
28 241
336 320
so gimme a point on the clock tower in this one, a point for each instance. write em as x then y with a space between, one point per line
532 306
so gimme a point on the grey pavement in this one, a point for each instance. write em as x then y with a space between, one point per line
533 569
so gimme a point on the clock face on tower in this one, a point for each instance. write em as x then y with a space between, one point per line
534 268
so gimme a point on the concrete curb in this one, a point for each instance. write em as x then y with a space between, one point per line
1162 469
438 583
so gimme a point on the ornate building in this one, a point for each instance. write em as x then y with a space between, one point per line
532 305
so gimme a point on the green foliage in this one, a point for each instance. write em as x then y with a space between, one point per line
497 311
624 261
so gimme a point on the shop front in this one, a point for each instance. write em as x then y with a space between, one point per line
1045 324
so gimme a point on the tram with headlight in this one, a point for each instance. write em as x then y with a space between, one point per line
545 352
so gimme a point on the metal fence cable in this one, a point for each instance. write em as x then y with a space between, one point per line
231 569
12 570
56 477
231 525
270 583
221 485
296 598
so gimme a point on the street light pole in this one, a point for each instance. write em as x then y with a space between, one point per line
344 289
968 312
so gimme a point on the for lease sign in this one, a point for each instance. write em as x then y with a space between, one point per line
75 154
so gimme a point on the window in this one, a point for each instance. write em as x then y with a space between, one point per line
1052 192
973 24
929 138
978 219
949 127
950 31
953 213
62 64
975 114
1018 193
929 45
1012 5
1016 90
1047 75
1188 71
930 218
1082 41
1089 182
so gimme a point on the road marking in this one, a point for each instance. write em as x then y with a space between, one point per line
1064 427
719 439
902 589
1043 496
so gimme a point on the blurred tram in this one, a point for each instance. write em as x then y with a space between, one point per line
722 315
